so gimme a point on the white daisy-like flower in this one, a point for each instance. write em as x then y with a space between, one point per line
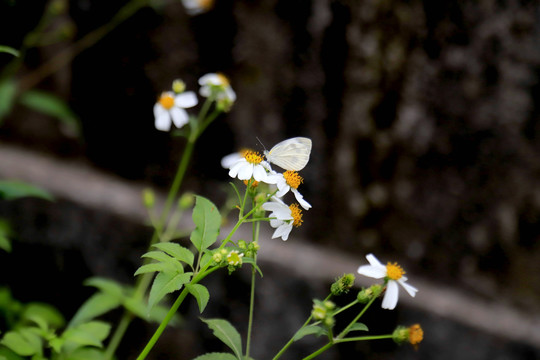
392 274
289 180
196 7
251 165
283 217
218 84
170 109
228 160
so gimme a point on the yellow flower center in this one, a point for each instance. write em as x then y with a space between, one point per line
253 157
206 4
222 78
234 258
293 179
394 271
296 213
416 334
166 100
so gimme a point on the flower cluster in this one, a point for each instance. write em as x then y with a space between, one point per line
170 106
249 164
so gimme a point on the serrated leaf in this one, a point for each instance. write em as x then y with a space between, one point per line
216 356
309 330
9 50
8 91
155 267
22 342
359 327
166 283
207 223
52 105
180 253
200 293
225 332
13 189
107 286
96 305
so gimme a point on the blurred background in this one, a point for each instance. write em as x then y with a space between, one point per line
424 118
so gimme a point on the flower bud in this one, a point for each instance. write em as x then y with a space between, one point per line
342 285
178 86
242 244
186 201
149 198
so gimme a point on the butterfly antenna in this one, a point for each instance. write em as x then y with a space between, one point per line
260 142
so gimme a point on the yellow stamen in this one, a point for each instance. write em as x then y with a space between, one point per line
253 157
296 213
206 4
234 258
166 100
394 271
293 179
223 79
416 335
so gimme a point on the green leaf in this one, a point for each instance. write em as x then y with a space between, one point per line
359 327
178 252
207 223
86 354
155 267
251 261
9 50
51 105
201 294
87 334
13 189
5 233
309 330
166 283
216 356
157 312
225 332
8 354
48 313
8 91
107 286
23 342
96 305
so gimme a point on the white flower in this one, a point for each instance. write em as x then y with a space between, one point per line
218 84
195 7
251 165
170 108
283 217
289 180
393 275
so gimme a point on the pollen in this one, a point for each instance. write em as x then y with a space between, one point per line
166 100
253 157
394 271
416 335
296 213
293 179
222 78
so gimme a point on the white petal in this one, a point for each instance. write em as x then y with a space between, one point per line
179 117
372 271
301 200
373 260
230 94
283 232
228 161
163 120
391 296
259 173
211 78
235 168
205 91
246 171
409 288
186 99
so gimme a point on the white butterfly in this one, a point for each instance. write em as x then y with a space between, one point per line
290 154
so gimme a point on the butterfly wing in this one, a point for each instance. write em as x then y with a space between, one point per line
290 154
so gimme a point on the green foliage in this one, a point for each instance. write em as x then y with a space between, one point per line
87 334
309 330
216 356
225 332
24 341
51 105
178 252
207 223
12 189
166 283
201 294
5 233
9 50
8 91
359 327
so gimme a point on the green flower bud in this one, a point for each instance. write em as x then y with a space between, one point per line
342 285
217 258
242 244
400 335
178 86
149 198
186 201
318 312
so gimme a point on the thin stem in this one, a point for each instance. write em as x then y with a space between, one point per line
255 237
319 351
118 334
346 330
363 338
346 307
171 313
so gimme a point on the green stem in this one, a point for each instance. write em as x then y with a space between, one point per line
255 237
171 313
319 351
363 338
346 330
289 343
118 334
346 307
